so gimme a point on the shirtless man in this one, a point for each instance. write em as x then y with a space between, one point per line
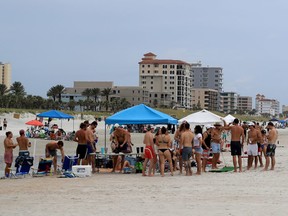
149 152
254 136
51 151
8 155
237 135
121 137
216 143
271 147
81 139
23 143
91 145
186 144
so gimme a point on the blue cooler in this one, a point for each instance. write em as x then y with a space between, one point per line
69 161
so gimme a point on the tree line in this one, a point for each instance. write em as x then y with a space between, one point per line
16 97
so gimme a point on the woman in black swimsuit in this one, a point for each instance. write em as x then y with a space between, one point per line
163 141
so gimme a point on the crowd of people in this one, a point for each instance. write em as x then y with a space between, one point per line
199 145
160 149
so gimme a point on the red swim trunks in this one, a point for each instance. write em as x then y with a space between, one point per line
149 152
8 157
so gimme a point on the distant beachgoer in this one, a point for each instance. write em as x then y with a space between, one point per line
51 151
121 138
216 143
5 124
186 140
23 143
271 147
163 141
91 148
254 136
8 155
197 146
263 143
237 135
149 152
177 148
81 139
207 144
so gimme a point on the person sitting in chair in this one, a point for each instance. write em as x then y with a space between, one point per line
51 151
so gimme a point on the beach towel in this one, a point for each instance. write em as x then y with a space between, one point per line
224 169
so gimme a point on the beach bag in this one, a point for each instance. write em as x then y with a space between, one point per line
138 167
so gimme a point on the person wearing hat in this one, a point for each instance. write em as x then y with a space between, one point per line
216 143
237 141
254 136
23 143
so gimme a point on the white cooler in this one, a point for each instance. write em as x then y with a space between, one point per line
82 170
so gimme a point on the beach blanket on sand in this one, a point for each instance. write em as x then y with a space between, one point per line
224 169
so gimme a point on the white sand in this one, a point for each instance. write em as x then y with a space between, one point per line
250 193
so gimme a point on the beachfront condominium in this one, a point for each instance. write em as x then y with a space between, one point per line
205 99
133 94
167 81
264 105
244 104
229 102
208 78
5 70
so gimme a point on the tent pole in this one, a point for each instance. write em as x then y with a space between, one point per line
105 139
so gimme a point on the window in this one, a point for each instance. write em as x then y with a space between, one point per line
151 87
164 72
172 72
172 66
156 65
156 71
142 71
165 82
151 82
164 66
148 66
143 66
151 77
155 95
148 71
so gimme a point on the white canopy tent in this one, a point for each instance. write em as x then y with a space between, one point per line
202 117
229 119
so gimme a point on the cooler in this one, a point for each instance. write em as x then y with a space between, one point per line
82 170
69 161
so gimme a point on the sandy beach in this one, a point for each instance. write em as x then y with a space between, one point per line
252 192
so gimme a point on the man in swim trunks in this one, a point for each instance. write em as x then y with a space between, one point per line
271 147
23 143
8 155
51 151
90 145
254 136
81 138
237 134
149 152
216 143
186 139
121 141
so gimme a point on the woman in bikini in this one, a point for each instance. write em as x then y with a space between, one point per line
163 141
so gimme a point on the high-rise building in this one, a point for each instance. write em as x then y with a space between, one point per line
229 102
267 106
205 99
207 77
5 70
167 81
244 103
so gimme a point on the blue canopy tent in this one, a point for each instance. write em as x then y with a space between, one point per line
56 114
139 114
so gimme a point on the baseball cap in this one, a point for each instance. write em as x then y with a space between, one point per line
116 125
209 126
251 124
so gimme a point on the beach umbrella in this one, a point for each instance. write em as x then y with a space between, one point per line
34 123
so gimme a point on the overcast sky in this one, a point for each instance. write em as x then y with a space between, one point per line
60 41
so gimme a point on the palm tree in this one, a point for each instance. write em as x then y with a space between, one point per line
87 93
52 92
60 90
3 89
17 89
106 93
95 93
